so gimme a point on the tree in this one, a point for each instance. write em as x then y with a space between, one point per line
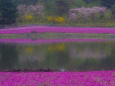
91 3
26 2
78 3
62 7
8 12
109 4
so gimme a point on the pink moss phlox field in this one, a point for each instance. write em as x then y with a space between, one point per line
41 29
41 41
92 78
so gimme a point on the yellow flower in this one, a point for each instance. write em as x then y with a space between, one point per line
60 20
29 17
51 18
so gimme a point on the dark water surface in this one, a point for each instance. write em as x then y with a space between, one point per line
61 56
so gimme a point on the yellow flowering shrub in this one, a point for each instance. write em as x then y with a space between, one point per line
29 17
51 18
56 19
60 20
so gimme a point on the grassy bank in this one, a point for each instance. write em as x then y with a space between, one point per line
93 25
111 24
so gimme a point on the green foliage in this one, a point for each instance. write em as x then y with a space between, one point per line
62 7
91 3
60 20
26 2
54 19
96 17
7 12
51 19
78 3
108 3
107 15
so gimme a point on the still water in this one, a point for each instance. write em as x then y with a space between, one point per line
64 55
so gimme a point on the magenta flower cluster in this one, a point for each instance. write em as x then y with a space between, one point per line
92 78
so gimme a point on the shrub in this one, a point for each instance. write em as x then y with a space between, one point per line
107 15
55 19
29 17
96 17
90 14
51 19
30 13
60 20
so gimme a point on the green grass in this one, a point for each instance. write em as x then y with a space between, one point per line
111 25
20 24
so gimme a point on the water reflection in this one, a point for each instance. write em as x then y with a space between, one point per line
65 56
8 56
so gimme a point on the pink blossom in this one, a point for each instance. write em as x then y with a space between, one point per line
87 12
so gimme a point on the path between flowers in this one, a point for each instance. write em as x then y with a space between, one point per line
41 29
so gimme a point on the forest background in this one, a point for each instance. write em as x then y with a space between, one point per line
58 12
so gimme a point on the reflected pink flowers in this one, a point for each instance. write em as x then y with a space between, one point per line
93 78
45 41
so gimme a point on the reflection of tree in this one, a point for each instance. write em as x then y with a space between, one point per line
109 63
9 56
91 50
29 50
79 63
30 54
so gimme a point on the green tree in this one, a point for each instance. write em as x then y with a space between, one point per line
78 3
8 12
63 7
110 4
91 3
26 2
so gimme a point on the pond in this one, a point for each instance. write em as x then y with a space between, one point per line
56 52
